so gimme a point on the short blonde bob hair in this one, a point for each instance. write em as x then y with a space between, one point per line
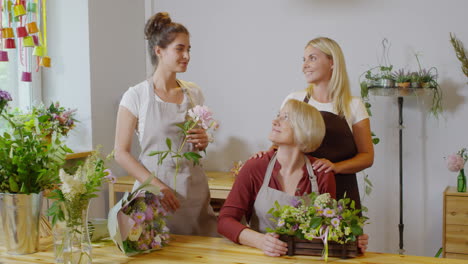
307 124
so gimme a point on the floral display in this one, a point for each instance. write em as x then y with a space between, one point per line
137 224
5 97
55 118
30 156
456 163
71 200
319 217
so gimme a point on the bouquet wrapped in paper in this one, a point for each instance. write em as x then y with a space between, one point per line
137 223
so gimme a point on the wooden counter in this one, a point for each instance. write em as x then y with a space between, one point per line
192 249
220 184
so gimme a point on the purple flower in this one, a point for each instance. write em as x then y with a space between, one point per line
335 222
138 217
455 162
142 246
295 227
327 212
149 214
296 202
5 96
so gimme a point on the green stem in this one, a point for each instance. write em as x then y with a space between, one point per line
178 153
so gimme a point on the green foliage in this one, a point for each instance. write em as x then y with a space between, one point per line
401 76
30 158
460 53
315 214
75 191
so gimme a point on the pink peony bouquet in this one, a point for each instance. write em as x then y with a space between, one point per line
456 162
137 223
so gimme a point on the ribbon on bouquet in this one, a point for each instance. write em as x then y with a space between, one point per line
324 237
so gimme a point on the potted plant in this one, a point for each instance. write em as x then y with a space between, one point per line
427 78
415 80
386 77
29 164
402 78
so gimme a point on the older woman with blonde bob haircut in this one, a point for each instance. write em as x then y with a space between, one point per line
280 175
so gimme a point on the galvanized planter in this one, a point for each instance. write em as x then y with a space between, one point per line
20 214
315 247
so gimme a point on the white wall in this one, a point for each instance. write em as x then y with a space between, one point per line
246 56
98 51
68 80
117 59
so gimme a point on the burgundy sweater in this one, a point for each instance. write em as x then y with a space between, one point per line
242 197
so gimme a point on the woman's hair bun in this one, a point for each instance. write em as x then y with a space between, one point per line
156 23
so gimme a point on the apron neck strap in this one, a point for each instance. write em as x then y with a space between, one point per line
307 98
312 176
310 171
186 91
271 165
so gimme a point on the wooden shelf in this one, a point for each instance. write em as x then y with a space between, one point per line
78 155
400 92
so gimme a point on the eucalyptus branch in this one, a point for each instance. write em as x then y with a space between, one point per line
460 53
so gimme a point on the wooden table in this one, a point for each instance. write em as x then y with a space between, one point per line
193 249
220 184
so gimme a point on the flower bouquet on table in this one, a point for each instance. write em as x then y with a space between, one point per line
137 223
456 162
69 211
319 225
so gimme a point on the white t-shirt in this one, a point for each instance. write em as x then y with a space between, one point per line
135 99
356 107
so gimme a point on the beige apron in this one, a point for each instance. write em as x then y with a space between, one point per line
195 215
267 196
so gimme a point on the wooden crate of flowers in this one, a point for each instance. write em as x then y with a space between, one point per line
319 225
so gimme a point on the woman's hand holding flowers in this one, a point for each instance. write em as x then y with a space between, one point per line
198 137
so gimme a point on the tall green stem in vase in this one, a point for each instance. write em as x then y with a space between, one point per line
461 181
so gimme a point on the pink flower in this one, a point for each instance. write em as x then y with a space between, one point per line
139 217
202 114
455 162
109 176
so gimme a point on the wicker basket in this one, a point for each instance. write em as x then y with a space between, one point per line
315 247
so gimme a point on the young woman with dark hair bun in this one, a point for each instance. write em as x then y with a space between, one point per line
152 109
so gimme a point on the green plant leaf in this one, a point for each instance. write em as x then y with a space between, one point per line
315 222
152 153
192 156
169 143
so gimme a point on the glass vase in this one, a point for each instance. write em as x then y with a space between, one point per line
72 243
461 181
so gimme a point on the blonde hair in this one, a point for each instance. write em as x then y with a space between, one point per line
307 124
339 88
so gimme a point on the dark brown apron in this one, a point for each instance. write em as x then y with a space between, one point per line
339 145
